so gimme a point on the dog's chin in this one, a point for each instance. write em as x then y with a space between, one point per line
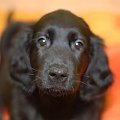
57 92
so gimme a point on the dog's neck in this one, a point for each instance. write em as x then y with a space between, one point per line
54 108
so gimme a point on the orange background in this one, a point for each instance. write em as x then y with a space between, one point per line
103 16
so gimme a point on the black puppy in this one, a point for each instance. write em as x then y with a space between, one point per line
59 68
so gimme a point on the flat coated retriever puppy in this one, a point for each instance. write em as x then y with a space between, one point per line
58 67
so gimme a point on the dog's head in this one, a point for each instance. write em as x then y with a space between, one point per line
60 56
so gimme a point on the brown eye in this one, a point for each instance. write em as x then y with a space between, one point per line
42 41
79 44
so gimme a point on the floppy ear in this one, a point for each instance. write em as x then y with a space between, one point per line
98 76
20 67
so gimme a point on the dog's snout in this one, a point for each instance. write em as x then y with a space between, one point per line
58 73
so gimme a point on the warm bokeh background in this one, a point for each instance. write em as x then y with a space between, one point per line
103 16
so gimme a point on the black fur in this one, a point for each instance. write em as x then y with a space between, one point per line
58 67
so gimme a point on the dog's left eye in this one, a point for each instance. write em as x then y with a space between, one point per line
78 44
43 41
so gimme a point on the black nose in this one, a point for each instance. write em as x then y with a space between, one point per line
58 73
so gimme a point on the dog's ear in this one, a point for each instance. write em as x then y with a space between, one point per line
20 67
98 76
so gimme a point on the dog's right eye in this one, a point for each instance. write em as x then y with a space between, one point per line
43 41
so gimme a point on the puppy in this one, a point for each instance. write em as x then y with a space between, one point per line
58 69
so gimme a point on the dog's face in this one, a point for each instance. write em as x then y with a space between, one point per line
62 50
59 55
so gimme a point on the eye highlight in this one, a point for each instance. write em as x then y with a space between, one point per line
43 41
78 44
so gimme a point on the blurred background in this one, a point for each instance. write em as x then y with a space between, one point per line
103 16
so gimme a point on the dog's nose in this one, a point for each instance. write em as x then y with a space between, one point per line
58 73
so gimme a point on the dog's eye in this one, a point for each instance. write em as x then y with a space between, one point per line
78 44
43 41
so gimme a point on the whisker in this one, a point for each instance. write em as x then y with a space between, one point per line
34 69
31 74
79 81
84 83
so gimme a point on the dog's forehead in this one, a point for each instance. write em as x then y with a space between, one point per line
62 18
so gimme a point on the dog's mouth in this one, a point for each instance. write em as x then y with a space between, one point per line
56 92
57 89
